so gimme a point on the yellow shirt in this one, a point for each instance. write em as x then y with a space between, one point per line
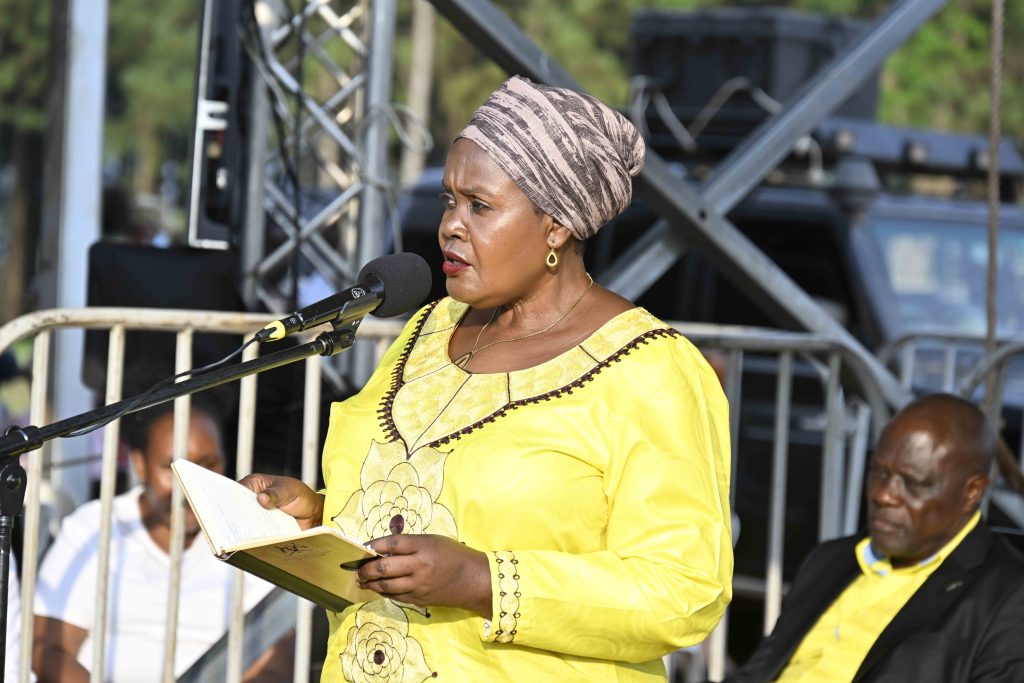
597 483
837 644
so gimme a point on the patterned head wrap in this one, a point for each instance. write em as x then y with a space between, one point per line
573 156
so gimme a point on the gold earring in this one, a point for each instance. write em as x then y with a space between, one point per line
552 259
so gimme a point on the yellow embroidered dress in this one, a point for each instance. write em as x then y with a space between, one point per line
597 484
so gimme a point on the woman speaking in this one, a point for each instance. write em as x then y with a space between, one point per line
543 465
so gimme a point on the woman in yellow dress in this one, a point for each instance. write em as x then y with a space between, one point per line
543 465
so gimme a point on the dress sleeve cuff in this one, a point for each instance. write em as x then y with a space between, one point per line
505 594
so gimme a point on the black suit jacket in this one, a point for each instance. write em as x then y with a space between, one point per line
965 623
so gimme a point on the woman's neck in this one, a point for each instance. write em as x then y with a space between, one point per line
543 306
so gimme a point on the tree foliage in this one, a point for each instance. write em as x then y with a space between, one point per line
23 58
151 82
940 79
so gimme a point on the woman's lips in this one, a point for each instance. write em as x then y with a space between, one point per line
453 266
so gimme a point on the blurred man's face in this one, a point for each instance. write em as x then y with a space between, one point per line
154 466
917 492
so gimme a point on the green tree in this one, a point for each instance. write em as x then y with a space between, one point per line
151 83
24 41
23 78
940 79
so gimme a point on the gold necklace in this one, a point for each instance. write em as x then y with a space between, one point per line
464 360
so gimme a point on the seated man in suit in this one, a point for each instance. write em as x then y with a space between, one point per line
931 595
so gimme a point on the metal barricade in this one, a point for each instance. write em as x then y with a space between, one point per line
958 364
934 361
995 367
788 392
40 326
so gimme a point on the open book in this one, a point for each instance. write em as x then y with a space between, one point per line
315 564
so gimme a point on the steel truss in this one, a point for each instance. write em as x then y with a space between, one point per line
322 80
339 153
692 216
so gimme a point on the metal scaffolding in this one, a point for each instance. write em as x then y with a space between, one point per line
322 83
320 112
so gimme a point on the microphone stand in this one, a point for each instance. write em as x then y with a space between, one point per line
19 440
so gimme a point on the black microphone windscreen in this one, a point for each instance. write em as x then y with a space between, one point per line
406 279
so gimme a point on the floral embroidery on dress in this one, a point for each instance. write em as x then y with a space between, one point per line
379 650
398 495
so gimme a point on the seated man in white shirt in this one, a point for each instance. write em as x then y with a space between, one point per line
139 574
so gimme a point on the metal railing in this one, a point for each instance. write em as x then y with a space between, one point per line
40 326
791 395
958 363
788 392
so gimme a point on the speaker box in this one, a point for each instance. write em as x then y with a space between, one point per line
689 56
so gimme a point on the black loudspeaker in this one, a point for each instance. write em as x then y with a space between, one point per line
149 277
218 151
690 55
136 276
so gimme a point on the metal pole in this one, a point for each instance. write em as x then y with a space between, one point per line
421 70
777 515
77 198
30 545
251 244
179 441
108 479
310 469
372 216
733 394
831 505
855 469
374 144
994 133
243 467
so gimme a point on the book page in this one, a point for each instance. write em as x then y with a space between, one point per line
229 512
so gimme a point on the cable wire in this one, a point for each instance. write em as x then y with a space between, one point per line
194 372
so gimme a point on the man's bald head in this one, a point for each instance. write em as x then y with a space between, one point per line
958 423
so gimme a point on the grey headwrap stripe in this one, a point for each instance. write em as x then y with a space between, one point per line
573 156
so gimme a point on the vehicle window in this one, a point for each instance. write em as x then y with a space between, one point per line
938 273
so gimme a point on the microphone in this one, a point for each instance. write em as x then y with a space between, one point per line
386 287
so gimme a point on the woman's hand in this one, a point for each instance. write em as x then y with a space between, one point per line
428 570
288 495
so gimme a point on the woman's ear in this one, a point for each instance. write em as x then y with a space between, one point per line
557 235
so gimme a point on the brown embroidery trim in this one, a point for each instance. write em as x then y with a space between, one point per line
387 423
509 598
391 429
